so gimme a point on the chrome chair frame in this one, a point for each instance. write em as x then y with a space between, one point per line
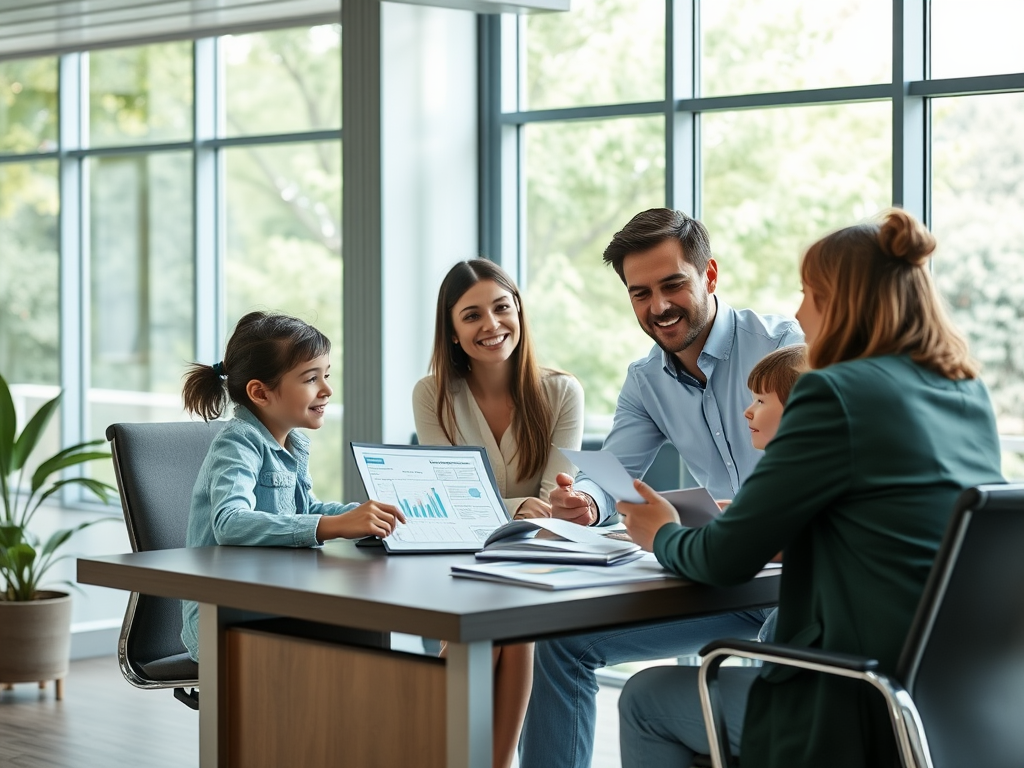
999 507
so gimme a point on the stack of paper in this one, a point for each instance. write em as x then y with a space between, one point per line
564 576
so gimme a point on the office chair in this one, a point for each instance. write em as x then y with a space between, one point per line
156 466
957 697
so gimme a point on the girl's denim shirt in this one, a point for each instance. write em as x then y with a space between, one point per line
252 492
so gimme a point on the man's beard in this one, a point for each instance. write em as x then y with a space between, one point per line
694 327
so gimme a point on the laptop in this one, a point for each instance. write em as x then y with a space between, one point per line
448 495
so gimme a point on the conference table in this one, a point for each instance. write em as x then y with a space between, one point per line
296 667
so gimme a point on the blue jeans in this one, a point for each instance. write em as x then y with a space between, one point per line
660 717
559 727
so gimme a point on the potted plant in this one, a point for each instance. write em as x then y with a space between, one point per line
35 623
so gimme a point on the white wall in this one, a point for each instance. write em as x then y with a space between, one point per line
429 139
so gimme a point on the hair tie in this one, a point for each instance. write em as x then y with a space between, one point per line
218 368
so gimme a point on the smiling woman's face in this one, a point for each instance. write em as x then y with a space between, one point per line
486 322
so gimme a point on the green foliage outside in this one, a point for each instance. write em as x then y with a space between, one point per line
772 181
283 227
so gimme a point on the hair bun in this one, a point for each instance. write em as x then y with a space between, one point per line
903 237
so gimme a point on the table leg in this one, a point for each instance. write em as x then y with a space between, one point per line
210 651
470 701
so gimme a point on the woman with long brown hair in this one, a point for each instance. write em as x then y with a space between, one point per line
877 441
486 388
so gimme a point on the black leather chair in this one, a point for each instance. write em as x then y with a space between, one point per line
957 696
156 467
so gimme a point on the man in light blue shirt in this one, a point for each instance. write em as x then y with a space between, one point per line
691 390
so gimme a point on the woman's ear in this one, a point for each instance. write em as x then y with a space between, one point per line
257 392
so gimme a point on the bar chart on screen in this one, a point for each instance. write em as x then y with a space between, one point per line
427 504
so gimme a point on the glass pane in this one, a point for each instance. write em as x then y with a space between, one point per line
28 105
284 81
982 39
29 291
750 46
584 181
29 273
284 255
140 95
141 287
1013 465
600 52
978 186
776 180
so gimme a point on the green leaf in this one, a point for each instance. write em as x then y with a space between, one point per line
30 435
103 491
21 556
7 428
58 538
10 536
64 460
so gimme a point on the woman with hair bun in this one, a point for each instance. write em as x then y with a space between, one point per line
877 441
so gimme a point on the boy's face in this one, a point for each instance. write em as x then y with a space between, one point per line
763 417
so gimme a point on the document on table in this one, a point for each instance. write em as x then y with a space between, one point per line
551 576
448 495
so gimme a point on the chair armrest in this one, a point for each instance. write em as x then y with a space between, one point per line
790 655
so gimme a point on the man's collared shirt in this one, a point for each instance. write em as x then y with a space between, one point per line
660 402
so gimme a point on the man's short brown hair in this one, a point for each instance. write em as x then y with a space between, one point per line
777 372
653 227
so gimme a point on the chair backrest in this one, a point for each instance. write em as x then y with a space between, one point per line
963 662
156 466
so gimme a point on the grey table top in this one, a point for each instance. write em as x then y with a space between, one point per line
367 589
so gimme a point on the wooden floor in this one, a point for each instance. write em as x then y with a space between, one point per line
102 721
105 722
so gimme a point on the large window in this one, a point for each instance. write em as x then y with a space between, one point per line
773 123
978 183
197 181
283 197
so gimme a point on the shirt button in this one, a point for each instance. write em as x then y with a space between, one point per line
718 433
728 463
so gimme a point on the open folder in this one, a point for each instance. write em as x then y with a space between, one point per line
555 541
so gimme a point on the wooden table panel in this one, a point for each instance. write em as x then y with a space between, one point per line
293 701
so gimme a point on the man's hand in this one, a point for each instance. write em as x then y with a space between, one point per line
574 506
644 520
532 507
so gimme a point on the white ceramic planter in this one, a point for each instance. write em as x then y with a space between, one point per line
35 640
